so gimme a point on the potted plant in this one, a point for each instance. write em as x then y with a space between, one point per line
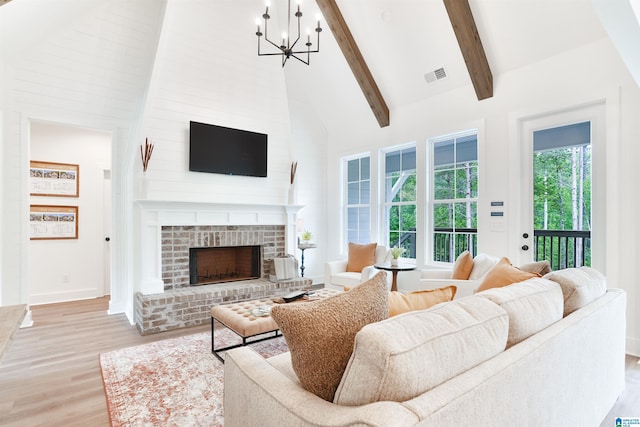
306 236
395 254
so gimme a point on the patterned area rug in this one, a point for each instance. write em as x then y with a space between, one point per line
174 382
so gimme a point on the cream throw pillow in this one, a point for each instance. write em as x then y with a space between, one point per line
419 300
463 266
320 334
580 286
361 256
503 274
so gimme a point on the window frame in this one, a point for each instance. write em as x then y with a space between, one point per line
431 202
345 196
384 226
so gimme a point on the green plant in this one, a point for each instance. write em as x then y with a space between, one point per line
396 252
306 235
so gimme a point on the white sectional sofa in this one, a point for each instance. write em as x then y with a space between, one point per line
545 352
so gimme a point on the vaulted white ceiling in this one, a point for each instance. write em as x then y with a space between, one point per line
401 41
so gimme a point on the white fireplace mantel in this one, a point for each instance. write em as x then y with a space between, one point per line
153 215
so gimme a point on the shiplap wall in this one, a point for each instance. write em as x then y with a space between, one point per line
84 64
207 71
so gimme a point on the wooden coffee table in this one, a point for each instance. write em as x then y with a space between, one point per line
247 321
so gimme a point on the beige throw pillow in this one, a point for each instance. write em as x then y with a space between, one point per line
361 256
419 300
463 266
580 286
320 334
503 274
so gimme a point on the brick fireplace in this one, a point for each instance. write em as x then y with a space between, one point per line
166 299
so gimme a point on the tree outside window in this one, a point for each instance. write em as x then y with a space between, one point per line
400 200
455 196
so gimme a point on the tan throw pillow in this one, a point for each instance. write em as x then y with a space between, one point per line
419 300
463 266
361 256
320 334
503 274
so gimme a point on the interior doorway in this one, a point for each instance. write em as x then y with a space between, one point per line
72 268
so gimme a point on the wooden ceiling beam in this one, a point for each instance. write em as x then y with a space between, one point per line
351 52
470 44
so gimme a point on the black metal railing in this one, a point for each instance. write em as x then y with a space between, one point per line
449 243
563 248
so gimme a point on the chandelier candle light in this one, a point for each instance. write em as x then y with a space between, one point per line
287 48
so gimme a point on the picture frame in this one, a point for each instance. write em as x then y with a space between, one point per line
54 179
50 222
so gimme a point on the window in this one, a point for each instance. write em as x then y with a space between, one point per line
454 199
358 191
400 199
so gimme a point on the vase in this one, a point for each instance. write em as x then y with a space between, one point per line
394 262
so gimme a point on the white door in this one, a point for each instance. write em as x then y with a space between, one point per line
528 129
106 227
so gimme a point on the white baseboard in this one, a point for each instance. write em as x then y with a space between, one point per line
633 346
62 296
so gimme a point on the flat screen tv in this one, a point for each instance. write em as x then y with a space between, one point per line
218 149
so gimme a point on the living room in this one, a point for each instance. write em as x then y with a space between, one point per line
145 69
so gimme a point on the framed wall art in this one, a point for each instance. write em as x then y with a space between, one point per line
53 222
54 179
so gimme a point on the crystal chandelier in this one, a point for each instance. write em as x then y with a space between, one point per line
287 48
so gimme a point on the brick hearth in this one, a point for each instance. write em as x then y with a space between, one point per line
182 305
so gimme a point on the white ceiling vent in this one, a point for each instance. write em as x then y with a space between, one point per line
436 75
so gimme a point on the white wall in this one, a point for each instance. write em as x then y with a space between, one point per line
64 270
591 73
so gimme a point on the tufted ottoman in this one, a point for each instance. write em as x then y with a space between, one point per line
250 318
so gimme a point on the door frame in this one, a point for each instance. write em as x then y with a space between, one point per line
521 172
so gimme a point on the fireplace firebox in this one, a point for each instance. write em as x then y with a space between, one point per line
223 264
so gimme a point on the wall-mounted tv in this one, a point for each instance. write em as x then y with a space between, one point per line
218 149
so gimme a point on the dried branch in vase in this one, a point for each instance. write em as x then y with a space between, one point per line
146 154
294 167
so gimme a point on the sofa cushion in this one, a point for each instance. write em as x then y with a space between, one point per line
463 266
361 256
438 343
580 286
539 267
503 274
346 279
532 305
419 300
320 334
482 263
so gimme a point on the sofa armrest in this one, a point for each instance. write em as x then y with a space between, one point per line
256 393
334 267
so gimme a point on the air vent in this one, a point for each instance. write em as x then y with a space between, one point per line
435 75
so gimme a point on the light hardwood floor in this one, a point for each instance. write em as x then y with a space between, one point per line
50 376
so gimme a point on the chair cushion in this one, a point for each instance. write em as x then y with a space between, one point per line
320 334
580 286
482 263
361 256
440 343
503 274
532 305
346 279
463 266
419 300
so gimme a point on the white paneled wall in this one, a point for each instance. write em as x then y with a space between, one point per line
207 71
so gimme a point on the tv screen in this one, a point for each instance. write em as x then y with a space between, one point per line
218 149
